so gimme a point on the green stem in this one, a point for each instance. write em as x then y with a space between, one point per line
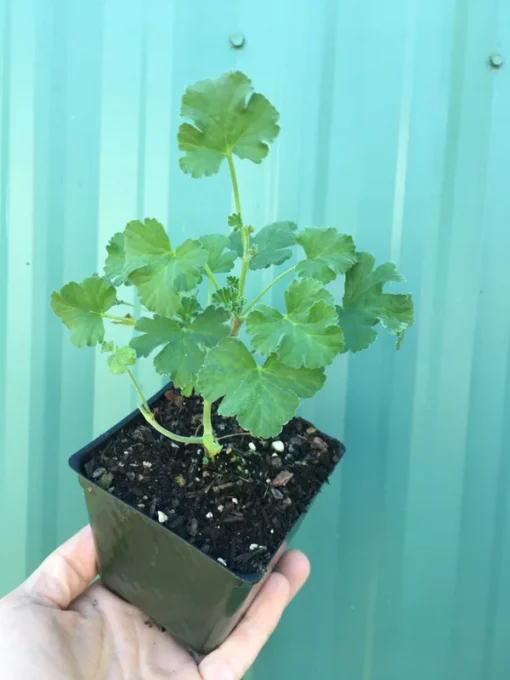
166 433
235 185
267 288
245 231
138 389
211 276
207 418
120 320
211 445
244 272
149 417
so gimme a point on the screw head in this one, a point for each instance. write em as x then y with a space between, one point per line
496 60
237 40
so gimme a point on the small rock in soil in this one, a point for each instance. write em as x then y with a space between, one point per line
319 445
283 478
106 480
276 462
98 472
277 494
162 518
278 446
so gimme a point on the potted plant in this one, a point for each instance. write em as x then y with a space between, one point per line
192 497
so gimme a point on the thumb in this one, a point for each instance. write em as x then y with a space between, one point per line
65 574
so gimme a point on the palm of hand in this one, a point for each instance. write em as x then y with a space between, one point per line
55 627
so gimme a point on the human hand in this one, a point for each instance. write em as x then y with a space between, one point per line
56 626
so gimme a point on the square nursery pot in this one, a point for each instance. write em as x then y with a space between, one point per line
195 598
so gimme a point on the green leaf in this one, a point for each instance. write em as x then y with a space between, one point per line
235 221
271 245
145 243
160 273
328 254
188 309
228 297
263 398
365 304
80 307
114 268
184 344
107 347
227 118
307 335
221 258
121 359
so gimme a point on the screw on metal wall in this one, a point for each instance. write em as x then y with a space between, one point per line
237 40
496 60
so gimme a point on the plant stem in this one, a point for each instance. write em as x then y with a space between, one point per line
149 417
211 445
235 185
245 231
166 433
211 276
138 390
267 288
236 326
207 418
120 320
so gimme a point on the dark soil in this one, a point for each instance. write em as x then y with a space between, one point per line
239 508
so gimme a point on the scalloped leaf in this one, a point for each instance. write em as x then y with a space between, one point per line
226 118
307 335
221 257
365 304
272 245
263 398
328 253
160 273
121 359
184 344
80 307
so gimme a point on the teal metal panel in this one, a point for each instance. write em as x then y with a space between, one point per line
396 129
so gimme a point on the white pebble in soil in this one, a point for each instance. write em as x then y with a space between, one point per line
252 446
221 508
221 561
278 446
254 546
162 518
235 501
209 515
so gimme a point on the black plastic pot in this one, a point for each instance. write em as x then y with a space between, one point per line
195 598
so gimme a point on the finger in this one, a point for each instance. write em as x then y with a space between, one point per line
235 656
66 573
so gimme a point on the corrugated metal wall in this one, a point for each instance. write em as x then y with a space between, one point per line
395 128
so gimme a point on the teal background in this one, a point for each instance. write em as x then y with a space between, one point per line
396 129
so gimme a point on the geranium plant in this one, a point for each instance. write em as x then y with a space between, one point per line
259 360
191 510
